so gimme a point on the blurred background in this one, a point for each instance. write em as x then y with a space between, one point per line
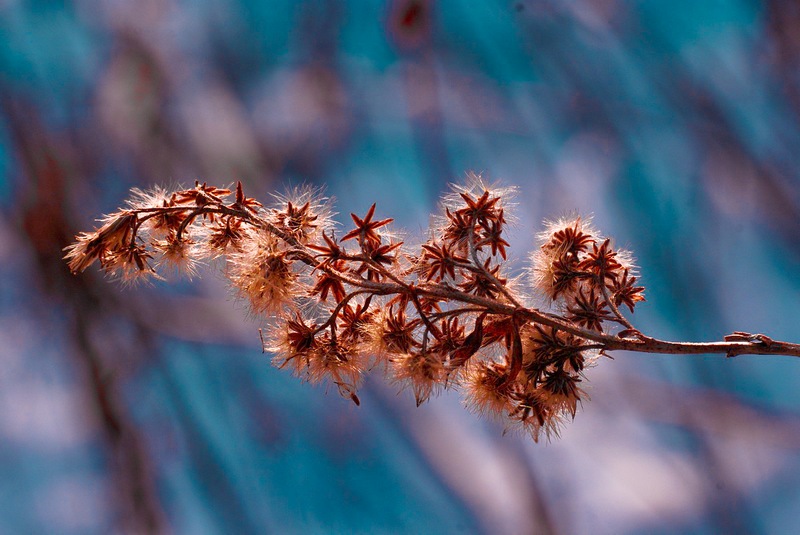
152 410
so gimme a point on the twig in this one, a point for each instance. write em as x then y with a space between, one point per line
519 362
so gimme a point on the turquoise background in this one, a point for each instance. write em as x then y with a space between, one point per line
673 123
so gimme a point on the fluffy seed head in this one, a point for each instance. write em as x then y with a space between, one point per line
177 255
303 213
533 415
485 388
555 263
447 315
263 274
423 371
338 361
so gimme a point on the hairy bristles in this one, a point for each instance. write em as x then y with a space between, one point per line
448 313
262 272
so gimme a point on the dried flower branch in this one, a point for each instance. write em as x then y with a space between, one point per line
445 316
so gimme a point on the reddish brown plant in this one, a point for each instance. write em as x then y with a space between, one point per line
446 315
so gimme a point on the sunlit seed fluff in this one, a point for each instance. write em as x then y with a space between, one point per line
424 372
116 230
84 252
158 223
388 335
484 388
305 212
565 233
145 199
542 273
532 415
130 265
560 390
448 314
178 256
475 186
627 260
286 353
339 362
356 323
563 242
373 340
262 274
224 236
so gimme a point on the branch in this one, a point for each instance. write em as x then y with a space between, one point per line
439 317
733 346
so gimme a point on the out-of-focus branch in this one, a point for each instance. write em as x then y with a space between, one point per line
135 499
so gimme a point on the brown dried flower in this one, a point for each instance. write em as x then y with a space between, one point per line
446 315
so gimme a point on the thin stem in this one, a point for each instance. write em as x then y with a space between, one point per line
610 302
730 349
335 313
455 312
473 252
755 345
